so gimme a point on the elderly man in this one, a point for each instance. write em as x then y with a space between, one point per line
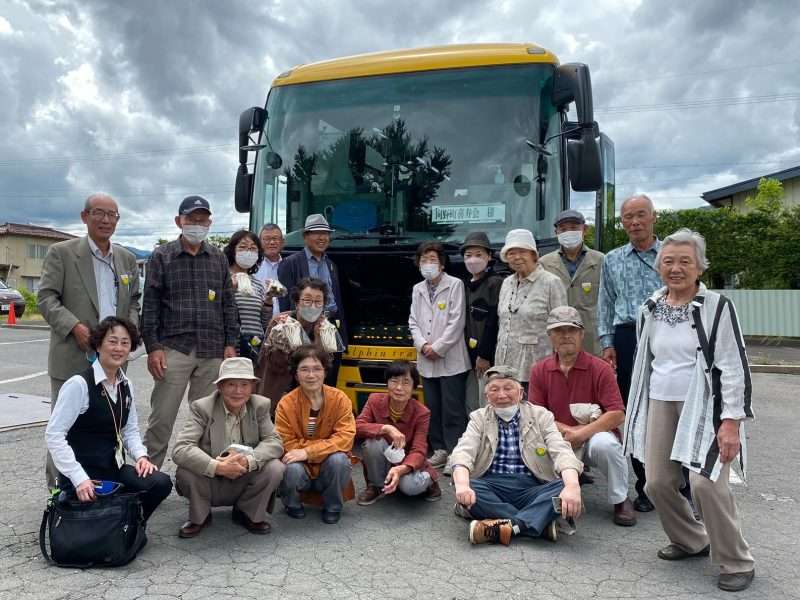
84 281
189 321
628 279
581 392
578 267
228 453
506 467
272 241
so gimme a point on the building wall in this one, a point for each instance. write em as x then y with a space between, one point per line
27 254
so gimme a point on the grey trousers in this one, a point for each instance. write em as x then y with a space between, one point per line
334 475
182 370
249 493
712 499
50 471
411 484
475 398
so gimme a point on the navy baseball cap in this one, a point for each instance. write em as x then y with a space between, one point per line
193 203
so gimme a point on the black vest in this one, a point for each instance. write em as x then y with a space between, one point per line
93 437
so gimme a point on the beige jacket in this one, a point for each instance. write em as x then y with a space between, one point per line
202 438
543 449
522 310
582 290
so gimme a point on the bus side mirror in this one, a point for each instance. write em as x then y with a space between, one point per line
250 121
573 83
243 193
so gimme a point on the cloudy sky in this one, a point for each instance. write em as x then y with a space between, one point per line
141 99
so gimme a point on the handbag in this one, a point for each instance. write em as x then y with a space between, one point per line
108 532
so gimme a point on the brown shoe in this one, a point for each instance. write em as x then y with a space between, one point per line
494 531
190 530
370 495
242 519
433 493
624 515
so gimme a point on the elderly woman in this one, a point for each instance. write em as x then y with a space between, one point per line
526 299
94 424
394 427
317 427
290 330
436 322
690 394
244 256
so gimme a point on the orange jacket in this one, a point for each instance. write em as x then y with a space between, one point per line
336 426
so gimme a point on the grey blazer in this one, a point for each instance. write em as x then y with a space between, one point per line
68 296
202 438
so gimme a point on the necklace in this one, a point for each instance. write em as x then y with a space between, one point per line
515 309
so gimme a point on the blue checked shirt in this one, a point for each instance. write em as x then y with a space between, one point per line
507 458
319 269
628 278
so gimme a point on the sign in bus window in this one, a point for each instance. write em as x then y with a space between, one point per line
468 213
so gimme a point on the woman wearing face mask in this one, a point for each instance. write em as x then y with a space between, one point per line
307 324
482 293
526 298
244 256
437 327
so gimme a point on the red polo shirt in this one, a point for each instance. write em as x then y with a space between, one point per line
591 380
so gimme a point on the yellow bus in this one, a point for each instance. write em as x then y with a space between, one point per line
399 147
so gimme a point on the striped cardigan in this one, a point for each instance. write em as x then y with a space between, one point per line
720 387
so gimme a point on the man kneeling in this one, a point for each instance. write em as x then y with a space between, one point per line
505 467
228 453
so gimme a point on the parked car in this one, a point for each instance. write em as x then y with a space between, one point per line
10 296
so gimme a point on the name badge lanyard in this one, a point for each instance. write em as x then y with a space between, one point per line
119 452
644 262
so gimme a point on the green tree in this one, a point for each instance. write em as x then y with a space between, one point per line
769 195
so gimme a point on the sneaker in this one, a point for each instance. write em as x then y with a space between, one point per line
462 511
491 531
448 470
438 459
370 495
551 531
433 493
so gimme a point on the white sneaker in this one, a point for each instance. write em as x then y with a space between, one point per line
448 470
439 459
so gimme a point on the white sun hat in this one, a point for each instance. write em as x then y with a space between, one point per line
518 238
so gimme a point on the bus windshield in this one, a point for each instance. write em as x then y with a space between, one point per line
406 157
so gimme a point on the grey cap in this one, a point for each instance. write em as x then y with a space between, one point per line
316 222
193 203
564 316
501 372
570 215
477 239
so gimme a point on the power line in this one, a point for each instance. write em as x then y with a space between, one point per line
52 160
737 68
702 103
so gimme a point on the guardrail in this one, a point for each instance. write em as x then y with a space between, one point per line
767 312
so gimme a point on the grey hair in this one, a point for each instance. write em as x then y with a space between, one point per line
689 237
88 204
637 197
270 227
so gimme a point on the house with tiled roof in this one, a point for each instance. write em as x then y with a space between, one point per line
22 251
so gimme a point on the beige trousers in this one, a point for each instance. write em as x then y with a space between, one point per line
249 493
713 499
182 370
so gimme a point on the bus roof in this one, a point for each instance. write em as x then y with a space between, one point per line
419 59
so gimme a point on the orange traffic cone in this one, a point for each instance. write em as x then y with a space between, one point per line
12 317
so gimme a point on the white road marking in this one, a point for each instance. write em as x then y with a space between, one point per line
24 377
25 342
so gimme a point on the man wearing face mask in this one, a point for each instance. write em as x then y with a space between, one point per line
512 468
189 321
482 293
578 267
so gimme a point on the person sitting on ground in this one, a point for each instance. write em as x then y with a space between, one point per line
228 453
94 424
394 427
570 382
317 426
506 467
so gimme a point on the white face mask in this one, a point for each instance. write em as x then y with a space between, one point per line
429 271
195 234
507 412
476 264
246 258
570 239
309 314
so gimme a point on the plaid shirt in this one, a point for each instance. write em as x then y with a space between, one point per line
508 459
189 301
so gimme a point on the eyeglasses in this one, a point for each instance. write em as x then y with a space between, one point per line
310 370
400 382
310 302
100 214
272 240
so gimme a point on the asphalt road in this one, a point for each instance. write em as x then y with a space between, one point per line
397 548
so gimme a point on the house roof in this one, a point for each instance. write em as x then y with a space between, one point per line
34 231
714 196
